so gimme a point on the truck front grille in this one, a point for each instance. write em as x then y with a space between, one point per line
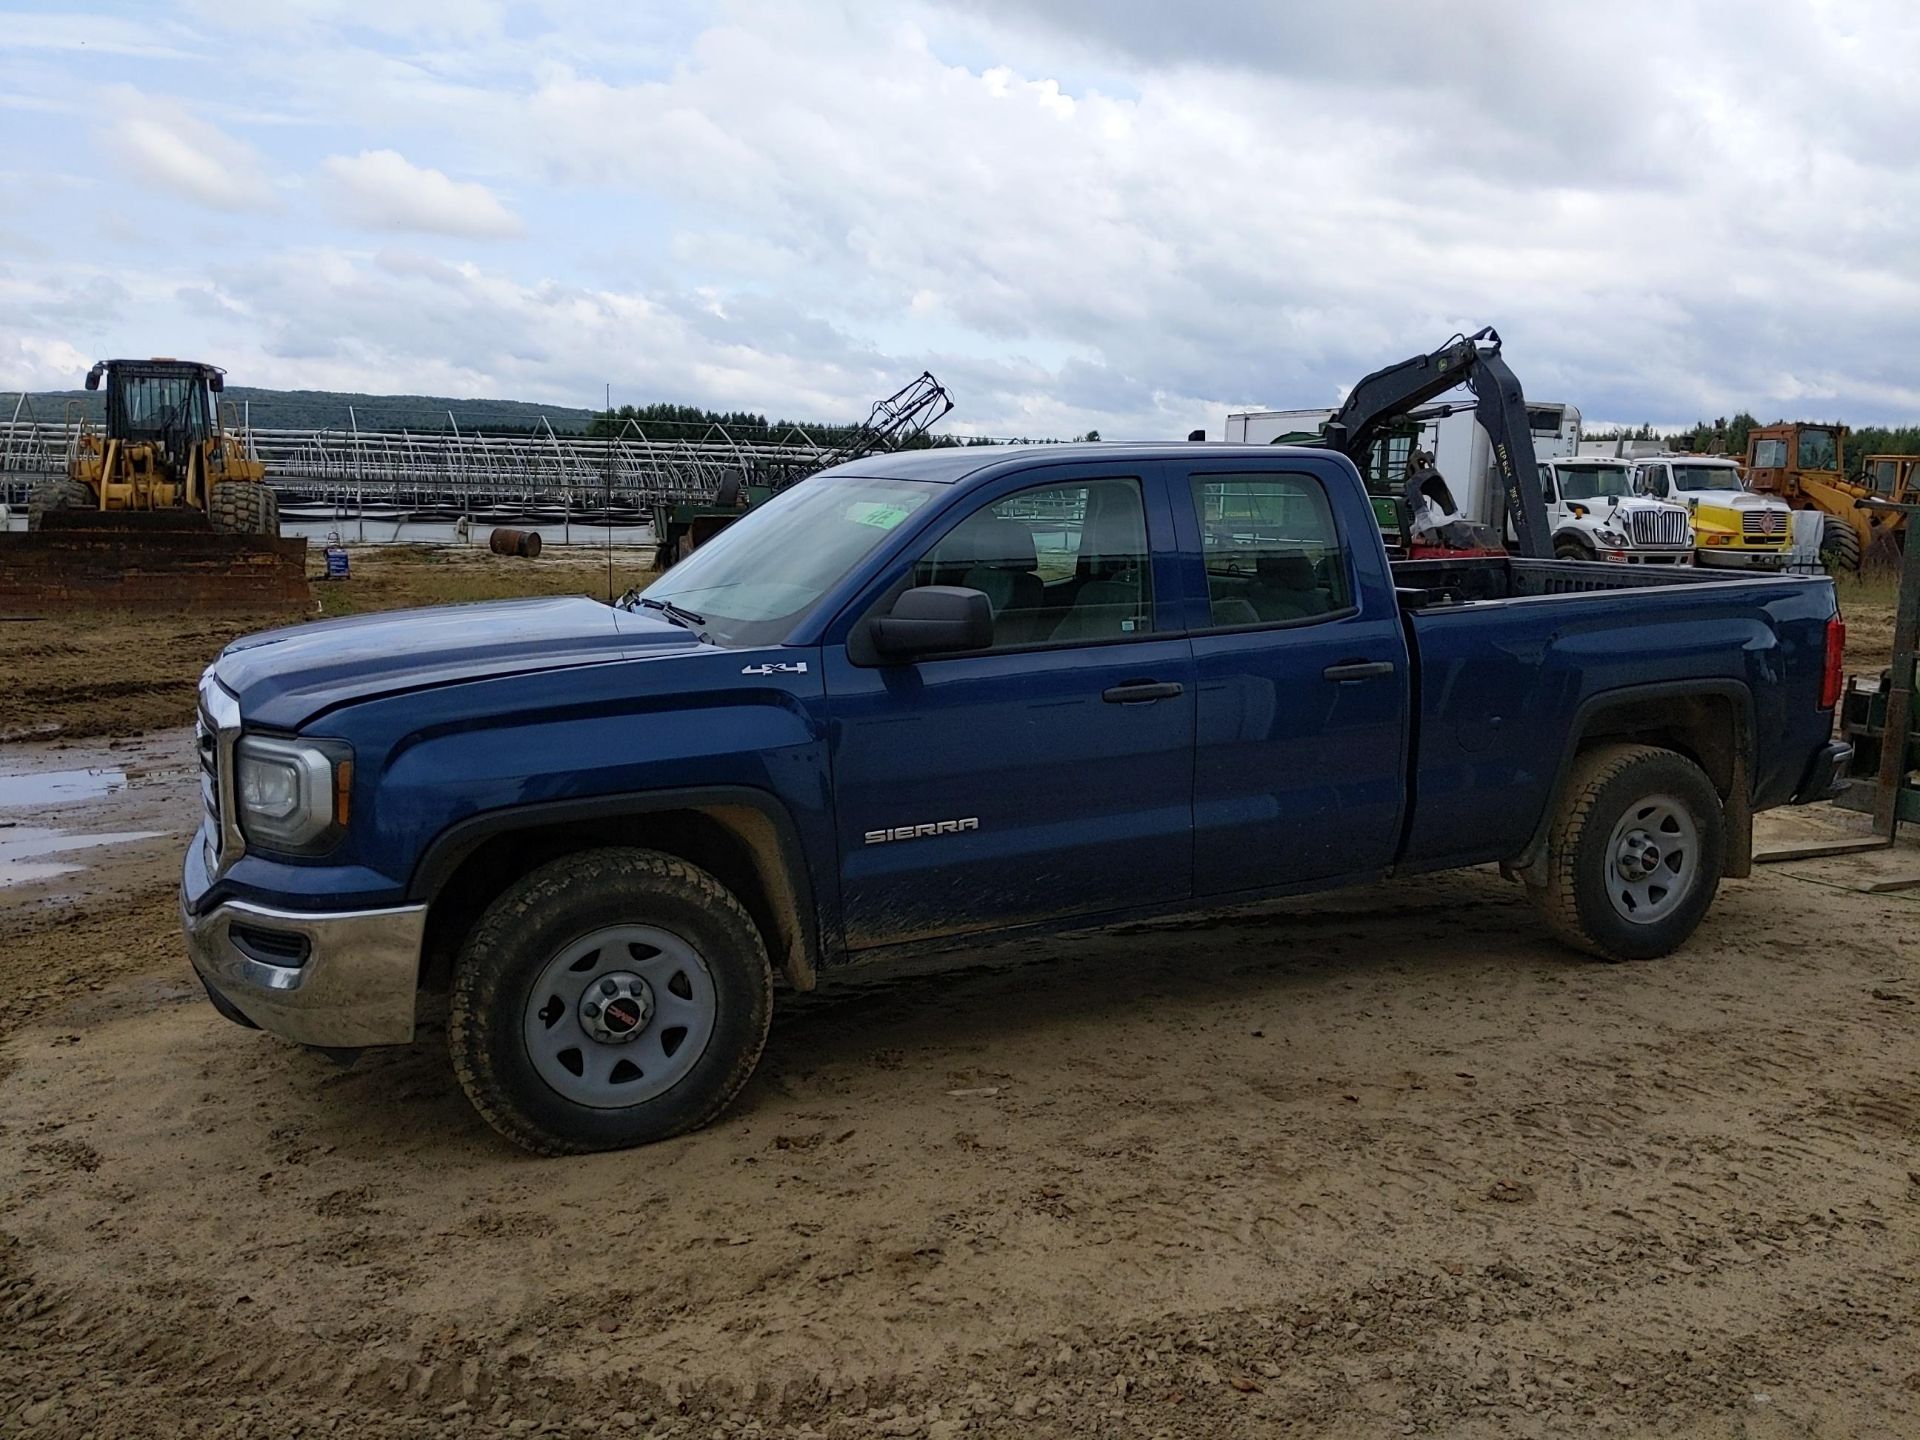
1768 524
216 726
206 745
1664 526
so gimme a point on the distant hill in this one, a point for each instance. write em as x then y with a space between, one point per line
327 410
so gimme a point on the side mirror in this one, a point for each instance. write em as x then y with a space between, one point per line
93 376
933 620
216 382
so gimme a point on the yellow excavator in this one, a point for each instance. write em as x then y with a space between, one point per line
163 449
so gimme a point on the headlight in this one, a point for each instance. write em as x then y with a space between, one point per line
291 794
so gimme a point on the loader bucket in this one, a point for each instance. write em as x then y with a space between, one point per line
117 560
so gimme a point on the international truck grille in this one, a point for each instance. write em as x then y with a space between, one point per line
1766 524
1657 527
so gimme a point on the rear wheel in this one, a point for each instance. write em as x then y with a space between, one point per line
1635 853
1839 544
243 507
58 492
610 998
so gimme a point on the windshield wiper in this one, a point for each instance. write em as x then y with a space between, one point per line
680 615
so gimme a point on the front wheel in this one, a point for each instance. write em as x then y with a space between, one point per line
243 507
1635 853
1573 550
1839 545
609 998
58 492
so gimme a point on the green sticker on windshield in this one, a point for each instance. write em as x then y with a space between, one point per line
872 512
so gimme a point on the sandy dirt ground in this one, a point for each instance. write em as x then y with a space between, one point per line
1385 1162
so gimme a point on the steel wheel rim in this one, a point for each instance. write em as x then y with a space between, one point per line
1652 859
576 1028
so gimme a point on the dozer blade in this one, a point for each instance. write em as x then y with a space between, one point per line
156 560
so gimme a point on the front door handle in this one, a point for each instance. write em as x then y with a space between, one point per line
1358 670
1141 692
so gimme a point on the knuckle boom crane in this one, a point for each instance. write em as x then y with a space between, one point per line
1474 361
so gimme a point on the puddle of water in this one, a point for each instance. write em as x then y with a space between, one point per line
21 847
25 873
59 787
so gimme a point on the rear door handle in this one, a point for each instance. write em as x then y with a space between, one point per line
1358 670
1140 692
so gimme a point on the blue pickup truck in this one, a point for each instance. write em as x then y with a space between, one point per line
937 696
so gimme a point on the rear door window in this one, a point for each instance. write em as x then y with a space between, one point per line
1271 549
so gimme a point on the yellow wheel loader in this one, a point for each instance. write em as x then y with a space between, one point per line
1802 464
163 449
162 506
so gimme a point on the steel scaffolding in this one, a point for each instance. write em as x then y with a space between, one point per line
463 471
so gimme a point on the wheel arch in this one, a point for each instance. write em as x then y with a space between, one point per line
1569 534
1711 722
743 837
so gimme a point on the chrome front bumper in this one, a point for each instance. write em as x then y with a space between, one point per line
355 984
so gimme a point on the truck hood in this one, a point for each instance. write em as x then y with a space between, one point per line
1628 504
283 678
1734 499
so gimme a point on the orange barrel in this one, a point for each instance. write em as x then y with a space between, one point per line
525 543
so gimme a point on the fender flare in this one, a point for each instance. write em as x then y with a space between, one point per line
1738 804
454 845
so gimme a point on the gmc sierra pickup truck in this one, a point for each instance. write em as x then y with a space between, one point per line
932 697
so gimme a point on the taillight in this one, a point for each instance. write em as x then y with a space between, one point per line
1833 677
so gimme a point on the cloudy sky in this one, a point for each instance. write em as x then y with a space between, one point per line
1078 213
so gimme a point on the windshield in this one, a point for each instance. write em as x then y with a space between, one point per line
751 583
151 405
1816 450
1591 482
1706 477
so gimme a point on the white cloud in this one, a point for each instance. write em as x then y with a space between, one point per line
32 363
381 189
1080 213
160 143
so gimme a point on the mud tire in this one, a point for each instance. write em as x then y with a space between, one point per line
58 492
243 507
1606 782
535 918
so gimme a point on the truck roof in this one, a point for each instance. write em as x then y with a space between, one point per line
950 463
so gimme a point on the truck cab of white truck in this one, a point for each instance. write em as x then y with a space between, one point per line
1595 514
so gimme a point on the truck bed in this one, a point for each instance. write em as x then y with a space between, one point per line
1428 584
1510 654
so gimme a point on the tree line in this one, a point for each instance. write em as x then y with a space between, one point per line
1731 436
